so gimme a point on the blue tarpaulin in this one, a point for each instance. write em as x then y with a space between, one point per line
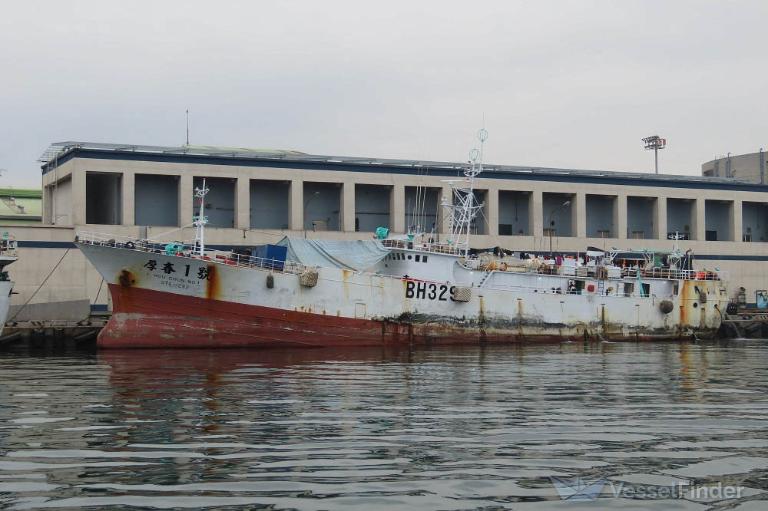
270 255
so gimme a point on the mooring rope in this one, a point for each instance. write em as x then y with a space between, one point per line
95 300
39 287
166 233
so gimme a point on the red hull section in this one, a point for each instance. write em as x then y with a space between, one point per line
150 319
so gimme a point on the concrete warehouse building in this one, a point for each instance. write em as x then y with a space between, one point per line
260 196
744 167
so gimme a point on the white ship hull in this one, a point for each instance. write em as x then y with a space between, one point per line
178 301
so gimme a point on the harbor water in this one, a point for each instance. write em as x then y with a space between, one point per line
568 426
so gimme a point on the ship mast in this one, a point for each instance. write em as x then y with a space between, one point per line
200 220
464 209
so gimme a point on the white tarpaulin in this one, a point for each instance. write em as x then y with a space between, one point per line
352 255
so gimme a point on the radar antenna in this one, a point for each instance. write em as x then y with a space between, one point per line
465 207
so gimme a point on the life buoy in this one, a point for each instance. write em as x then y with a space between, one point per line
130 245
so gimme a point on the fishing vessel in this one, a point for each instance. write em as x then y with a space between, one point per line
409 289
8 255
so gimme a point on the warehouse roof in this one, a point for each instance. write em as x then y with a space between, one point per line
58 153
20 206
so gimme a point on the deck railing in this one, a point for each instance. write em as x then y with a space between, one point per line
187 250
592 272
608 292
645 273
432 248
666 273
551 269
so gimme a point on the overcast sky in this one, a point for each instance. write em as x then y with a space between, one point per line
561 83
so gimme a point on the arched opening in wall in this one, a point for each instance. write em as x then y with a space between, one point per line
322 206
718 218
270 201
58 203
103 198
602 216
219 203
156 200
422 209
641 218
514 213
754 221
557 213
372 207
680 219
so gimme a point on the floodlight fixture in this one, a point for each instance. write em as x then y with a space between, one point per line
655 142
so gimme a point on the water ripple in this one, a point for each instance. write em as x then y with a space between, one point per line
450 429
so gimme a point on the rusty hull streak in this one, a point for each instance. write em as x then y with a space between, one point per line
126 278
481 319
520 332
690 297
683 298
212 285
345 274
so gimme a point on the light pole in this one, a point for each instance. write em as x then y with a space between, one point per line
552 222
655 142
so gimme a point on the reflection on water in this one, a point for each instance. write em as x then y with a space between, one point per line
455 428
